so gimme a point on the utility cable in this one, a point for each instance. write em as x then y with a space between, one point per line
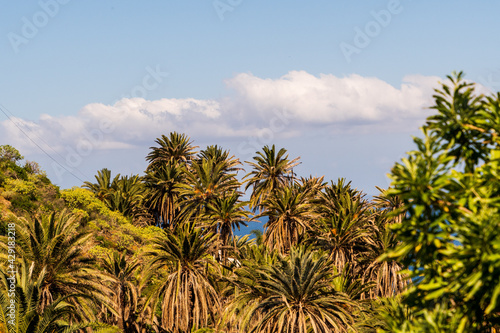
36 144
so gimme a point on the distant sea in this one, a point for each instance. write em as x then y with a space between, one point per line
257 224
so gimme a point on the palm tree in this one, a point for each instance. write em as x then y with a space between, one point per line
127 196
292 295
224 215
188 298
123 194
329 200
390 205
104 185
243 245
24 315
124 288
385 273
271 170
312 185
220 156
250 257
389 315
290 215
206 180
259 236
165 183
54 246
349 282
177 148
343 228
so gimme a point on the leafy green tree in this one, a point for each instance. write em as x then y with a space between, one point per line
10 154
34 168
450 240
9 168
456 122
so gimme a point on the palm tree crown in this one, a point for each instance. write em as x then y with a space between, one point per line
271 170
290 215
176 148
292 295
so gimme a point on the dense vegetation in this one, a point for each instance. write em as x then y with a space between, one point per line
157 252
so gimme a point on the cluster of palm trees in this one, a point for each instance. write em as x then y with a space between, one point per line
314 269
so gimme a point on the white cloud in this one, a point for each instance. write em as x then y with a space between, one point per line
282 107
122 125
299 111
328 99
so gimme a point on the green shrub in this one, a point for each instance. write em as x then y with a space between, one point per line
83 199
15 171
10 154
24 188
23 203
100 252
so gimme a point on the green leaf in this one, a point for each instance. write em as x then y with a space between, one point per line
430 286
436 294
493 302
463 322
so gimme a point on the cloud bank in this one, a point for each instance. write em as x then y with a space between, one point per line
288 106
328 99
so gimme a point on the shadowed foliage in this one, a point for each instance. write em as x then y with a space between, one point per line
187 296
53 247
292 295
290 216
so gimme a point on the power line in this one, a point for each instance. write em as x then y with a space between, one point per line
41 139
36 144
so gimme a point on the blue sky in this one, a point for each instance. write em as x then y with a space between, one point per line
95 82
